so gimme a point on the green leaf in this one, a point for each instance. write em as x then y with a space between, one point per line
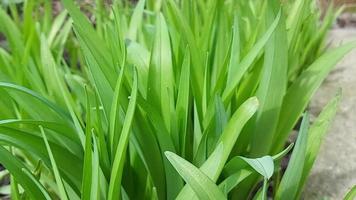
351 194
273 85
173 181
238 163
182 106
88 156
136 20
35 104
203 187
120 153
263 165
289 184
316 135
61 88
181 25
283 153
115 129
57 24
59 181
213 166
235 48
30 184
238 71
60 133
12 33
299 93
160 76
233 180
68 163
139 56
97 55
145 142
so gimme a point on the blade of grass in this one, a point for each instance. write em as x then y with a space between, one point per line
136 20
272 86
87 167
213 166
317 132
15 167
351 194
59 181
238 72
160 76
115 126
288 187
182 106
233 180
203 187
300 92
70 169
118 164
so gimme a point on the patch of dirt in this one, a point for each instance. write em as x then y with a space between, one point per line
347 20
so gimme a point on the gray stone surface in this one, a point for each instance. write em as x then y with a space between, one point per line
334 172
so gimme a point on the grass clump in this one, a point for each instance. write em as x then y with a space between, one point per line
171 99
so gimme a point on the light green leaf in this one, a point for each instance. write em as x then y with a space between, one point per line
203 187
136 20
351 194
300 92
120 152
30 184
273 85
160 77
233 180
316 135
238 71
115 126
263 165
289 184
213 166
59 181
182 107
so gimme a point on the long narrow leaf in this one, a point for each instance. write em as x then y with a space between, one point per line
203 187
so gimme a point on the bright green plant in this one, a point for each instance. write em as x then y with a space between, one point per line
351 194
173 99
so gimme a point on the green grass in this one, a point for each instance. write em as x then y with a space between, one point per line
162 99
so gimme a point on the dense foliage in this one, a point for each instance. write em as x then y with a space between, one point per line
162 99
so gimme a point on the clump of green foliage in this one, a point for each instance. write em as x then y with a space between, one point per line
162 99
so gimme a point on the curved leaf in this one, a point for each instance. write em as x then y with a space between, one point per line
34 188
203 187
